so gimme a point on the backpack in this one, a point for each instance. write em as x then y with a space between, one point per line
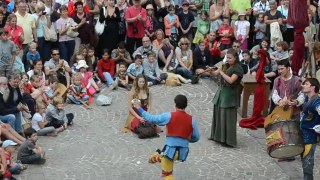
146 130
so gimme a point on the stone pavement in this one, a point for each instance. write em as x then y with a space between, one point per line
94 148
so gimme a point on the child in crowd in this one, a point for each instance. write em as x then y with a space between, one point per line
78 58
247 61
38 92
91 59
259 29
18 64
225 32
56 114
33 54
12 167
281 52
213 44
25 86
152 71
122 77
87 80
106 70
53 84
7 53
203 27
150 22
96 79
121 55
186 20
30 152
241 31
39 123
135 68
171 23
77 94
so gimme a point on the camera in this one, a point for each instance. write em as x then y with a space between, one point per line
135 30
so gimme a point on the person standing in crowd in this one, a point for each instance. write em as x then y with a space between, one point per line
288 36
218 11
239 6
122 6
28 24
182 129
42 19
136 18
310 118
85 24
7 53
109 39
271 16
261 7
225 102
15 32
186 19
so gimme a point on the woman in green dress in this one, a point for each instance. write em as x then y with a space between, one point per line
226 101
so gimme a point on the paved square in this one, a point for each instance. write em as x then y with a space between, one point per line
95 149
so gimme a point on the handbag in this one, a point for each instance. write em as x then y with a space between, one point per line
49 34
99 27
72 33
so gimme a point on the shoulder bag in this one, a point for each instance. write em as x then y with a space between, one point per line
99 27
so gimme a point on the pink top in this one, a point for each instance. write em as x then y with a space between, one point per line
13 34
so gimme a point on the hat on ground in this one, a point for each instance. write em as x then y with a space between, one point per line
82 64
149 6
7 143
185 2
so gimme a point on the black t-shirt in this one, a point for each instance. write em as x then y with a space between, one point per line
272 17
185 19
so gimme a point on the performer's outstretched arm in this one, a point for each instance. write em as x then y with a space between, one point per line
160 120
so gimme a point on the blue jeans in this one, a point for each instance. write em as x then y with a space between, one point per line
308 162
15 169
75 101
66 49
9 118
184 72
108 78
44 49
18 122
163 76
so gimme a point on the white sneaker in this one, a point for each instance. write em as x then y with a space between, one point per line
150 83
114 85
188 81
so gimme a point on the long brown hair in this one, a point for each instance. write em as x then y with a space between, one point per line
234 53
135 88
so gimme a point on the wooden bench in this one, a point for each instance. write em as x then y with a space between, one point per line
248 87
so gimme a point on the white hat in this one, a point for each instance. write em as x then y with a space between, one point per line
7 143
149 6
82 64
242 13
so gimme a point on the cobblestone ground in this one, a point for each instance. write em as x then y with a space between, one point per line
94 148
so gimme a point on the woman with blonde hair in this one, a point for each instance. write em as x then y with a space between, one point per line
184 58
15 32
165 48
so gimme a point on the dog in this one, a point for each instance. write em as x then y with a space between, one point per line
175 79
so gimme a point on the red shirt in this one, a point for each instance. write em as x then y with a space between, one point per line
229 30
13 34
106 66
72 9
27 88
131 13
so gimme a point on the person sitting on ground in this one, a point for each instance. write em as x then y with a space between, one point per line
56 114
247 61
77 93
121 55
30 152
53 82
152 71
145 48
213 44
106 70
13 167
184 59
202 59
166 49
122 77
135 68
38 92
87 78
282 51
39 123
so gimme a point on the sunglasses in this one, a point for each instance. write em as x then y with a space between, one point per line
55 54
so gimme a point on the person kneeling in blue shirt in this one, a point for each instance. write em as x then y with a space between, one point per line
182 128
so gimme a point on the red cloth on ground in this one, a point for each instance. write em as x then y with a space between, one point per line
90 91
298 17
259 101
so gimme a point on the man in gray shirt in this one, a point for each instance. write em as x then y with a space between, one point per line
7 53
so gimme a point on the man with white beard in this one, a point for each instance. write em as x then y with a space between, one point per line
4 95
10 103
